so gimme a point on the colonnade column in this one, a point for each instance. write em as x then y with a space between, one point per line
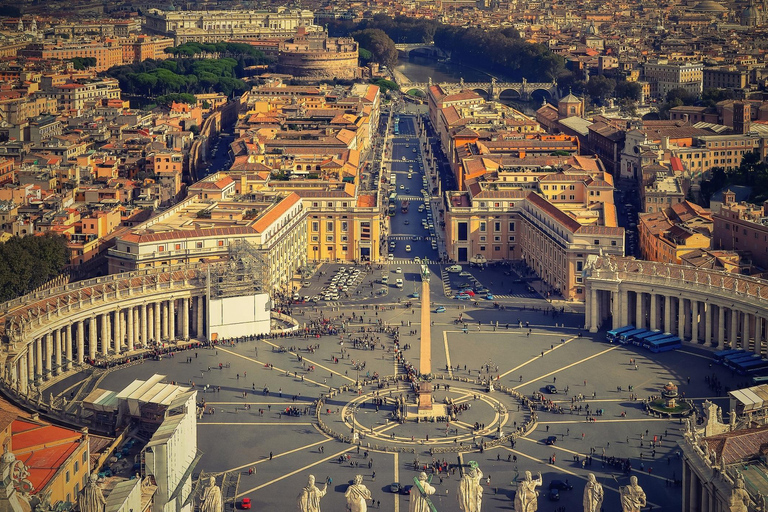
623 310
144 339
200 312
137 339
654 312
129 328
758 335
185 318
694 321
118 332
593 309
745 330
80 341
23 377
68 347
720 326
39 358
165 319
31 360
48 354
57 352
668 314
105 334
734 328
92 337
681 318
172 319
158 324
708 323
639 318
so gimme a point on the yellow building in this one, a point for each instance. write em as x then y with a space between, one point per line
667 235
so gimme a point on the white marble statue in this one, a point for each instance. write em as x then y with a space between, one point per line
470 492
593 494
357 495
632 496
211 500
527 497
420 501
91 498
309 497
739 498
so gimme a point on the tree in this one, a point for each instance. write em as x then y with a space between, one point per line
29 262
710 97
599 88
380 45
631 91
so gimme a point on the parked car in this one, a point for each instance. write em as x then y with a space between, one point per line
440 309
245 504
453 268
399 283
551 440
407 248
463 296
465 274
489 297
551 389
394 487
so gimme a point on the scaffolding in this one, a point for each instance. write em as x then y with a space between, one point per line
244 273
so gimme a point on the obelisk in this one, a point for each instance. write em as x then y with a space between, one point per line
424 390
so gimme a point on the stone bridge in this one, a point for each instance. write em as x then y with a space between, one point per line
430 48
494 90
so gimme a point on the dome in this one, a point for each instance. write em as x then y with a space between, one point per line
750 17
570 99
708 6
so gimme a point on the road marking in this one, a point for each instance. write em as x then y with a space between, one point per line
254 423
447 354
282 454
281 371
312 362
632 420
567 471
535 358
287 475
397 479
566 367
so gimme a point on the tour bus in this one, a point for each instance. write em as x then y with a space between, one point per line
738 365
721 354
752 366
658 336
611 336
738 354
736 361
665 344
626 336
639 339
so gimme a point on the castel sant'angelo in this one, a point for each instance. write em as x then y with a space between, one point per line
317 56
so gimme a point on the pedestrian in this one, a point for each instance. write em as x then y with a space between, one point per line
270 455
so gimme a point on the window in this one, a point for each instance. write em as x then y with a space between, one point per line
344 238
497 248
482 226
597 242
482 248
497 239
497 226
330 248
482 239
329 238
315 226
511 239
345 248
160 248
220 243
613 242
315 238
462 231
511 226
579 290
579 266
329 226
85 459
177 247
344 226
66 477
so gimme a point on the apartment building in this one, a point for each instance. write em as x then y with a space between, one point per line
504 223
107 53
664 75
217 25
199 229
662 193
725 77
743 227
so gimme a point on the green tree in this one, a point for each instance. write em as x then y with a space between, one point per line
599 88
380 45
631 91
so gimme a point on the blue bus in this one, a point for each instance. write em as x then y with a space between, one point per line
611 336
648 342
639 339
626 336
720 355
752 366
735 363
665 344
739 354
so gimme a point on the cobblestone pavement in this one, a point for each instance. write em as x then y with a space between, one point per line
245 430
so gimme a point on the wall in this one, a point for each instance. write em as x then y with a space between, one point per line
239 316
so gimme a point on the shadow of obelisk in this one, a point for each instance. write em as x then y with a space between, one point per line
424 390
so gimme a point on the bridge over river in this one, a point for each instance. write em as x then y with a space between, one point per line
493 90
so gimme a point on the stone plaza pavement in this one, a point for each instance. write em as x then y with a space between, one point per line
285 449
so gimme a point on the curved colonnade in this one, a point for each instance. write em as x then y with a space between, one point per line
49 333
709 307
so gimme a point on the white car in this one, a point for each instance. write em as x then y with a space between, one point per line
399 283
417 260
453 268
391 257
398 270
407 248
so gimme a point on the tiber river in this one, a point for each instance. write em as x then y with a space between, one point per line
420 69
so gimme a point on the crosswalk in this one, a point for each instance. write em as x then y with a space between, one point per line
446 278
410 238
407 261
402 197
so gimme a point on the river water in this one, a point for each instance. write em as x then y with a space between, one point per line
421 69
